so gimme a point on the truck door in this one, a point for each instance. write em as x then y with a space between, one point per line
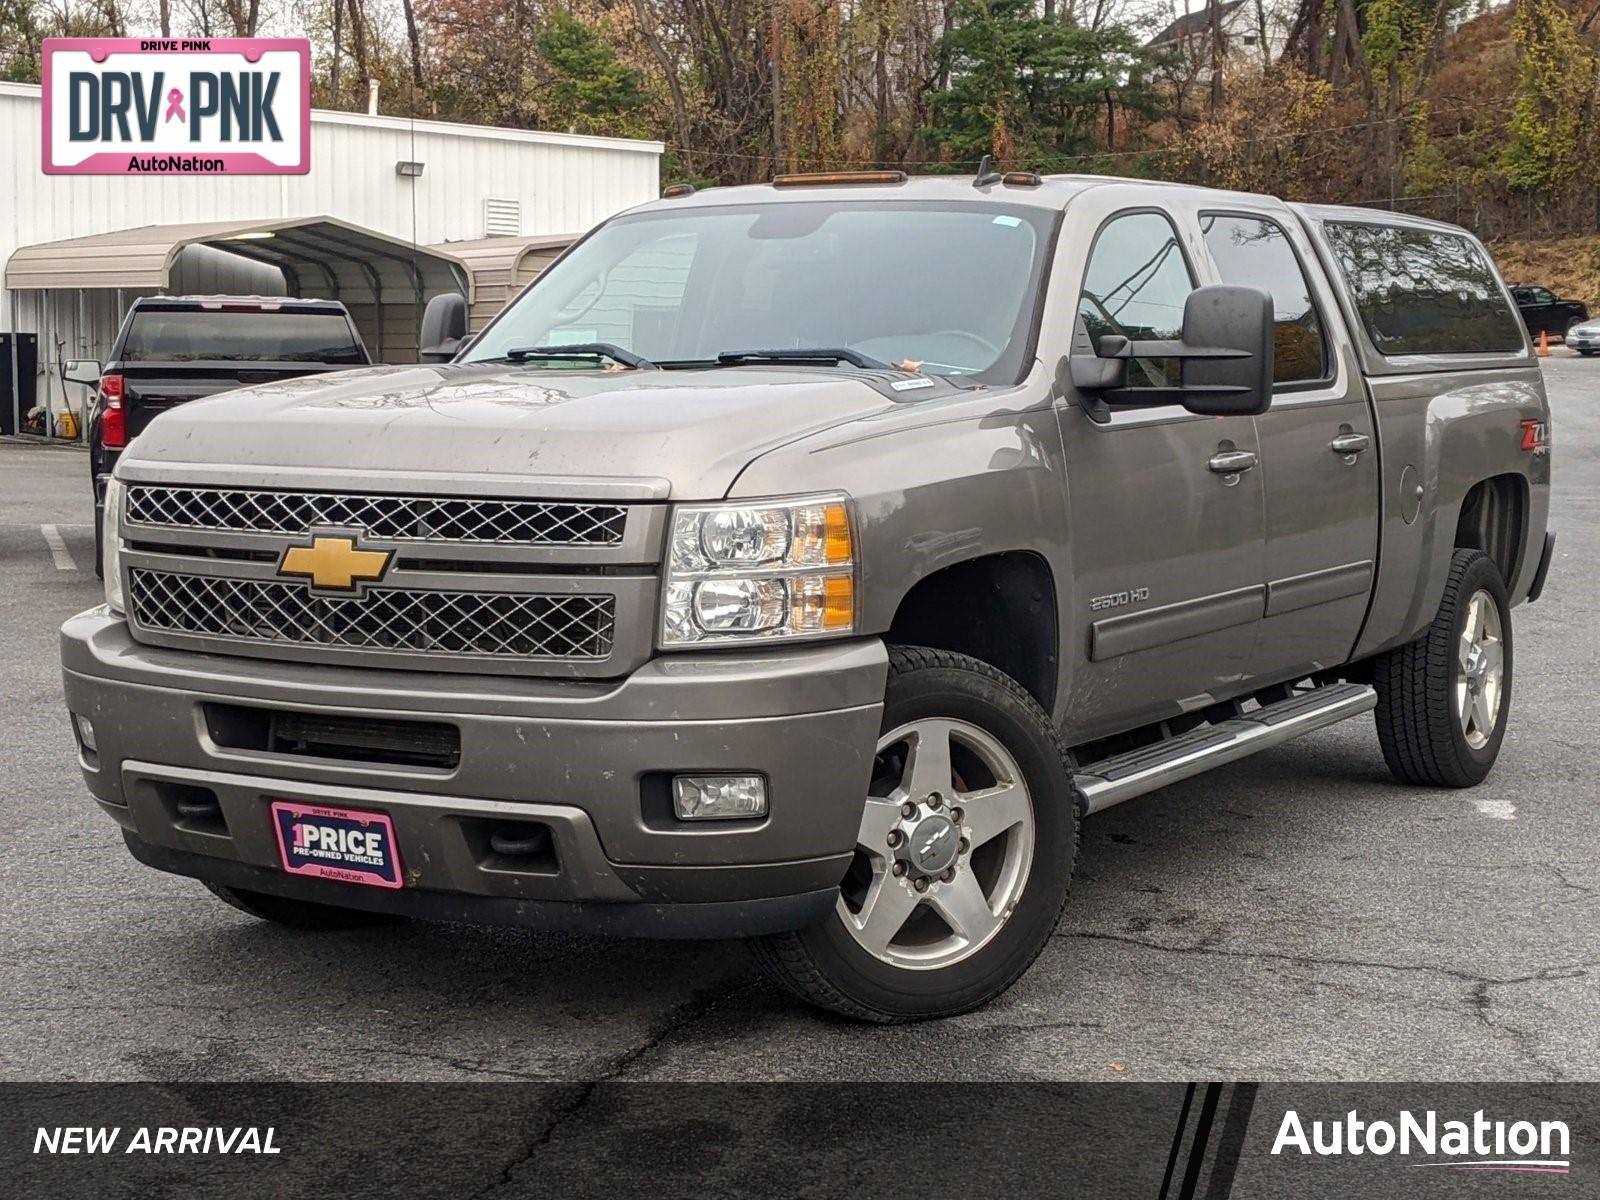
1319 452
1542 315
1166 508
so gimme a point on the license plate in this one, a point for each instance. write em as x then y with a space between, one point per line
347 844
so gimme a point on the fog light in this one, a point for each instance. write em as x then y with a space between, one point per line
85 728
719 797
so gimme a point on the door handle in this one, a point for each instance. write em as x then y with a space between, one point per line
1350 443
1231 462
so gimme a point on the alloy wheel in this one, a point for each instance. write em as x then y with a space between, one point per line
1480 670
944 849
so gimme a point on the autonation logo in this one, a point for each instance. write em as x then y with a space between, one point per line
1476 1145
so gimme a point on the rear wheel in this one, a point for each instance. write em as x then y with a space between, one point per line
297 914
963 857
1443 699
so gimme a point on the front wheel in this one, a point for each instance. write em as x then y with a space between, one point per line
964 855
1444 698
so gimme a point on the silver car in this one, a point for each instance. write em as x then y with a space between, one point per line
1584 337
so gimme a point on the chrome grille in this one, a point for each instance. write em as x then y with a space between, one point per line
518 626
436 519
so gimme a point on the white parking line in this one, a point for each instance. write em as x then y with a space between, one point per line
58 548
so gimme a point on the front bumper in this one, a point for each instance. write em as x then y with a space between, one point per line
583 760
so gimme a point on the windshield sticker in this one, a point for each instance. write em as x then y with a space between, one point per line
910 385
1008 222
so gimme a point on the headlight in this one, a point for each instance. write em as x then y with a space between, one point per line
738 572
111 544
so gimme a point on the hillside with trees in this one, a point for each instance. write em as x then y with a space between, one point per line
1486 116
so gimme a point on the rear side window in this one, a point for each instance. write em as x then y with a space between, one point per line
1420 291
1255 252
165 335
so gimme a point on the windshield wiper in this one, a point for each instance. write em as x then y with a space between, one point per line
583 350
803 354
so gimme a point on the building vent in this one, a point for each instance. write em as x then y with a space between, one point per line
502 218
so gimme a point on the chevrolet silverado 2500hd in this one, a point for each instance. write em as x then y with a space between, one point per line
803 562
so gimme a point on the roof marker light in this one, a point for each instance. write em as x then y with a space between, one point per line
814 178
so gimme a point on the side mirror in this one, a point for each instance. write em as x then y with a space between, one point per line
444 328
81 370
1225 358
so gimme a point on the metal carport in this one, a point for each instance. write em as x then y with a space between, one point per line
502 266
384 281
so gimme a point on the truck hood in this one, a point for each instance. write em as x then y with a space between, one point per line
688 433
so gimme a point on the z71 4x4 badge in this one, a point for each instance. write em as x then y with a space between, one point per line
1119 599
1535 436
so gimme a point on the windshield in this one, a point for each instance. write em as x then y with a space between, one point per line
240 335
943 289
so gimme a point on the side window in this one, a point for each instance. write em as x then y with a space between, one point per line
1255 252
1136 285
1541 296
1423 291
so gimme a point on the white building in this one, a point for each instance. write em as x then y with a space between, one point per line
363 225
1253 31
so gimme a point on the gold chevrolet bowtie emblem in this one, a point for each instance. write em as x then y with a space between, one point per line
334 563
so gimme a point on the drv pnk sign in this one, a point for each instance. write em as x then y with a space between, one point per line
169 106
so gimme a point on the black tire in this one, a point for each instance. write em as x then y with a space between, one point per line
825 966
1418 727
1585 353
1566 330
298 914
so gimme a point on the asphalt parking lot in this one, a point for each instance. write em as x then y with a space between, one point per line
1296 916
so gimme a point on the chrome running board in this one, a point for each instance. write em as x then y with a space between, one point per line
1124 776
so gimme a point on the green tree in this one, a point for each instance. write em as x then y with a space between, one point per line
1032 89
584 85
24 23
1554 77
19 42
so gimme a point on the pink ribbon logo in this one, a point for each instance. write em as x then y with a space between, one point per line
175 105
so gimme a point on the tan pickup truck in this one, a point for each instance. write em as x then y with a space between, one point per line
804 562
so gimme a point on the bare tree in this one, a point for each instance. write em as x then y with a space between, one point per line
358 39
414 37
1218 51
245 16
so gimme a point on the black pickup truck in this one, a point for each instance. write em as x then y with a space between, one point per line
1542 311
172 349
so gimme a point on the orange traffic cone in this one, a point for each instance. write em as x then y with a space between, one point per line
1544 343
